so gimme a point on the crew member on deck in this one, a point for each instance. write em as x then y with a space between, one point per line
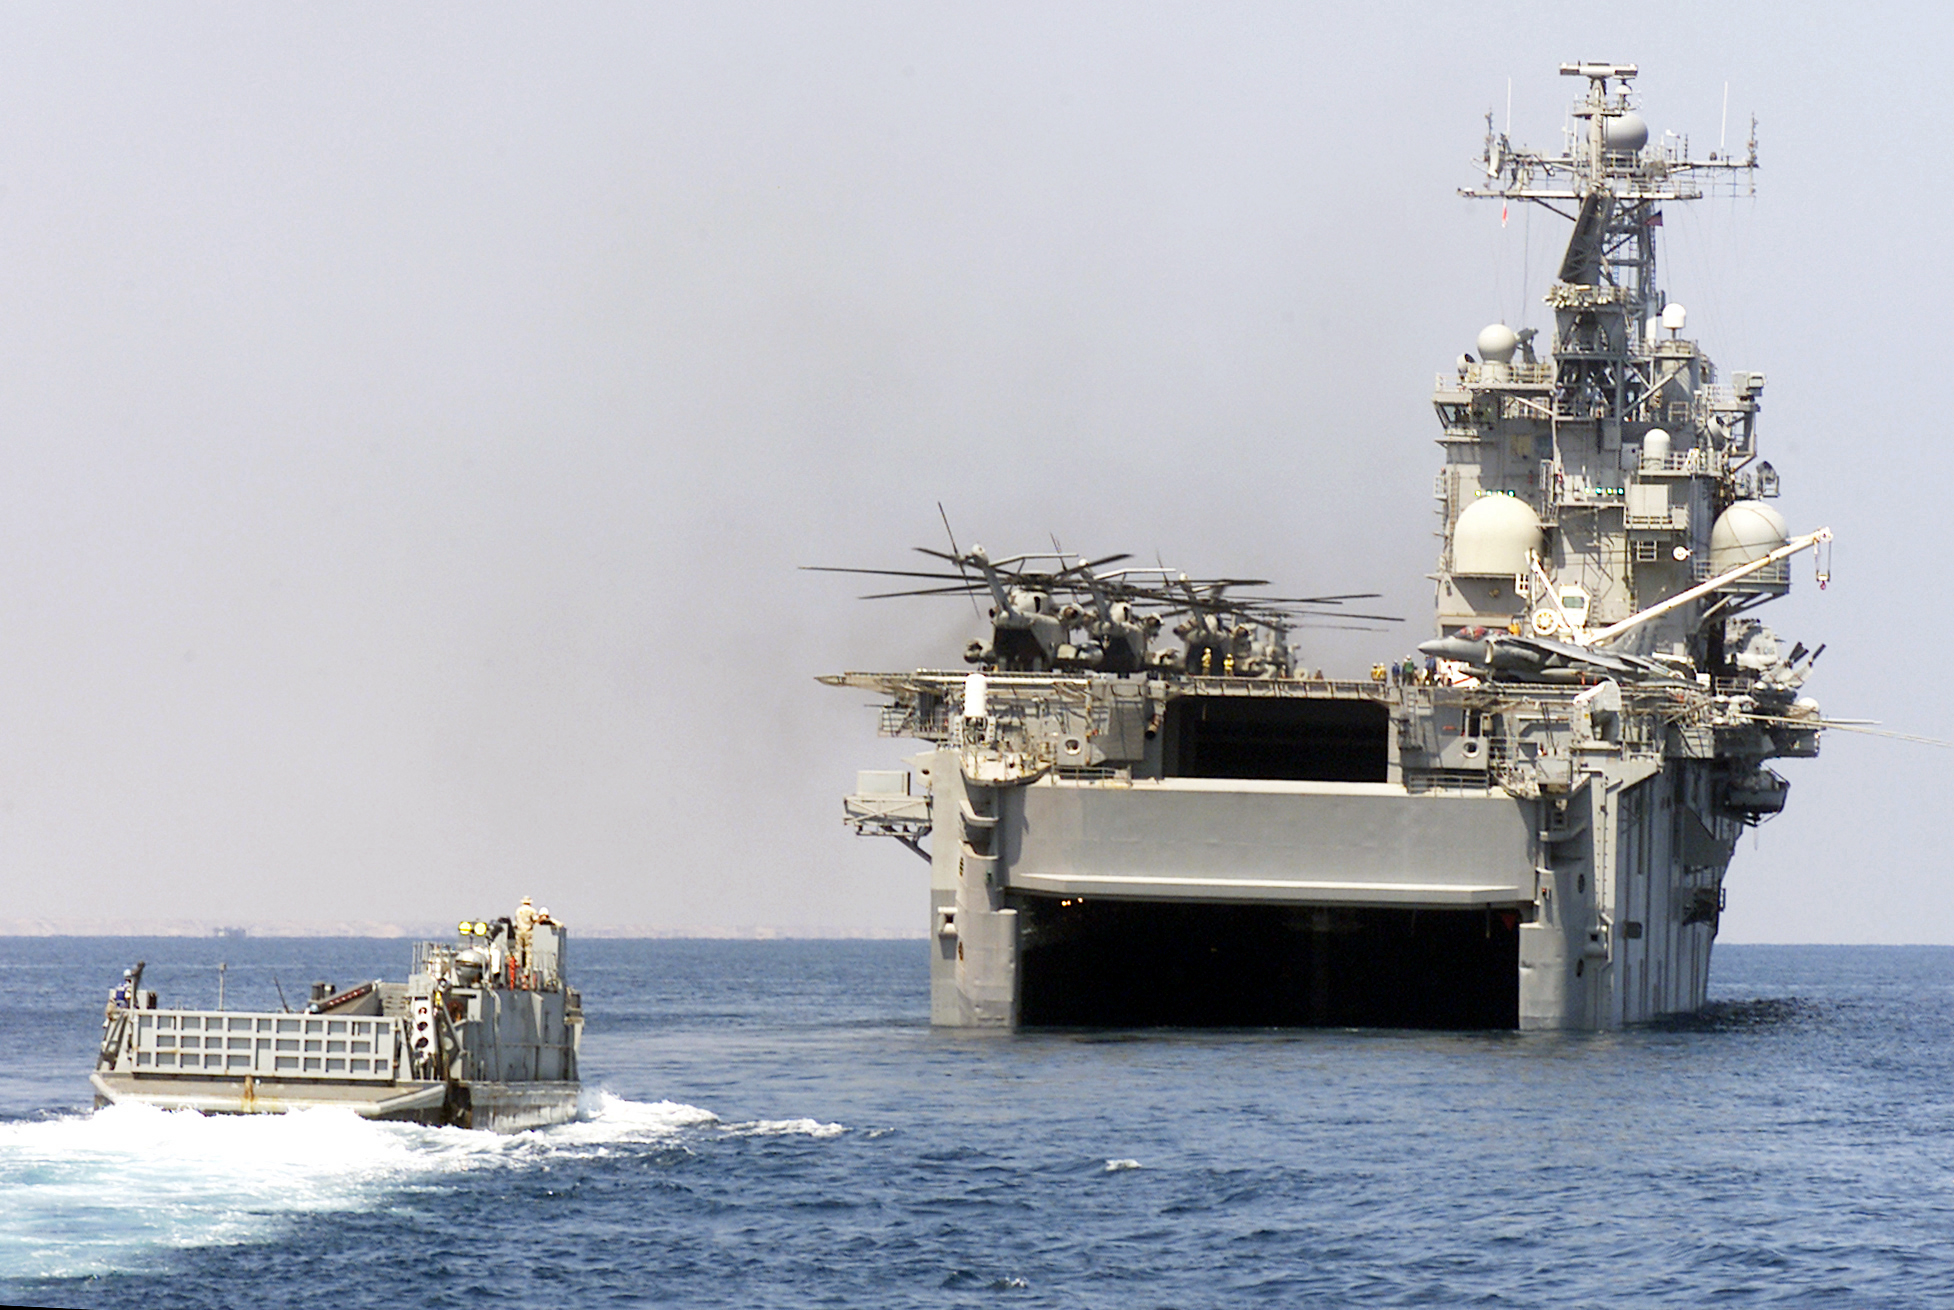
525 931
124 995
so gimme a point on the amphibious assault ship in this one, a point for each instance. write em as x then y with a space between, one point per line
483 1034
1529 829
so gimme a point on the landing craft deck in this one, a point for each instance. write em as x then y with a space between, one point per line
1530 829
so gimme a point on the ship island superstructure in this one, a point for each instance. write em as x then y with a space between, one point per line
1530 829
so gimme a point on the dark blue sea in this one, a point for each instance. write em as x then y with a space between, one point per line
775 1124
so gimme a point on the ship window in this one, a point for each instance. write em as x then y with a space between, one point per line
1289 738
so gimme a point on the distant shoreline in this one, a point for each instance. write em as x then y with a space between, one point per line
273 931
417 931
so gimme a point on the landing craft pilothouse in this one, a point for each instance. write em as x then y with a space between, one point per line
1530 830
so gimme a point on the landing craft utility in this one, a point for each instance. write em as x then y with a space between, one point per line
1531 829
483 1034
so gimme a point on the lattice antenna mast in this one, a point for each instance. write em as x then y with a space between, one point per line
1610 180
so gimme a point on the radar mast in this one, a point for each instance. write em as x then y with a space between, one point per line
1608 174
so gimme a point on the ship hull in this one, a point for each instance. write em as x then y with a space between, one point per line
1214 902
497 1107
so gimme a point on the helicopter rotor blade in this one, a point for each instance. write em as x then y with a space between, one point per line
1338 627
1353 595
885 573
1341 614
961 589
975 609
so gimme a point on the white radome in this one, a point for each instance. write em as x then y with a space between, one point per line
1497 342
1748 530
1624 132
1493 536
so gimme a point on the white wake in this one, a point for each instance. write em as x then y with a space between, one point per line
122 1187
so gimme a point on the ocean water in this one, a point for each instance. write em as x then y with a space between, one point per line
775 1124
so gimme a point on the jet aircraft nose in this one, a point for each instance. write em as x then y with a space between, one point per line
1455 648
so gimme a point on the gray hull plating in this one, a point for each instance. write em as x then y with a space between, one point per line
496 1107
1613 880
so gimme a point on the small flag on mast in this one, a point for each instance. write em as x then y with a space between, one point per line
1502 213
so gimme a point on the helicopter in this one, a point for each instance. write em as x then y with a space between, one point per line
1036 611
1054 612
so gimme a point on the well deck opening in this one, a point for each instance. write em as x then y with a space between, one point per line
1130 964
1295 739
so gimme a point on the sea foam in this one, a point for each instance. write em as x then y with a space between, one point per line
109 1190
119 1188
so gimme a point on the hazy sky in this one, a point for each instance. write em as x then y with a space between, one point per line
411 418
